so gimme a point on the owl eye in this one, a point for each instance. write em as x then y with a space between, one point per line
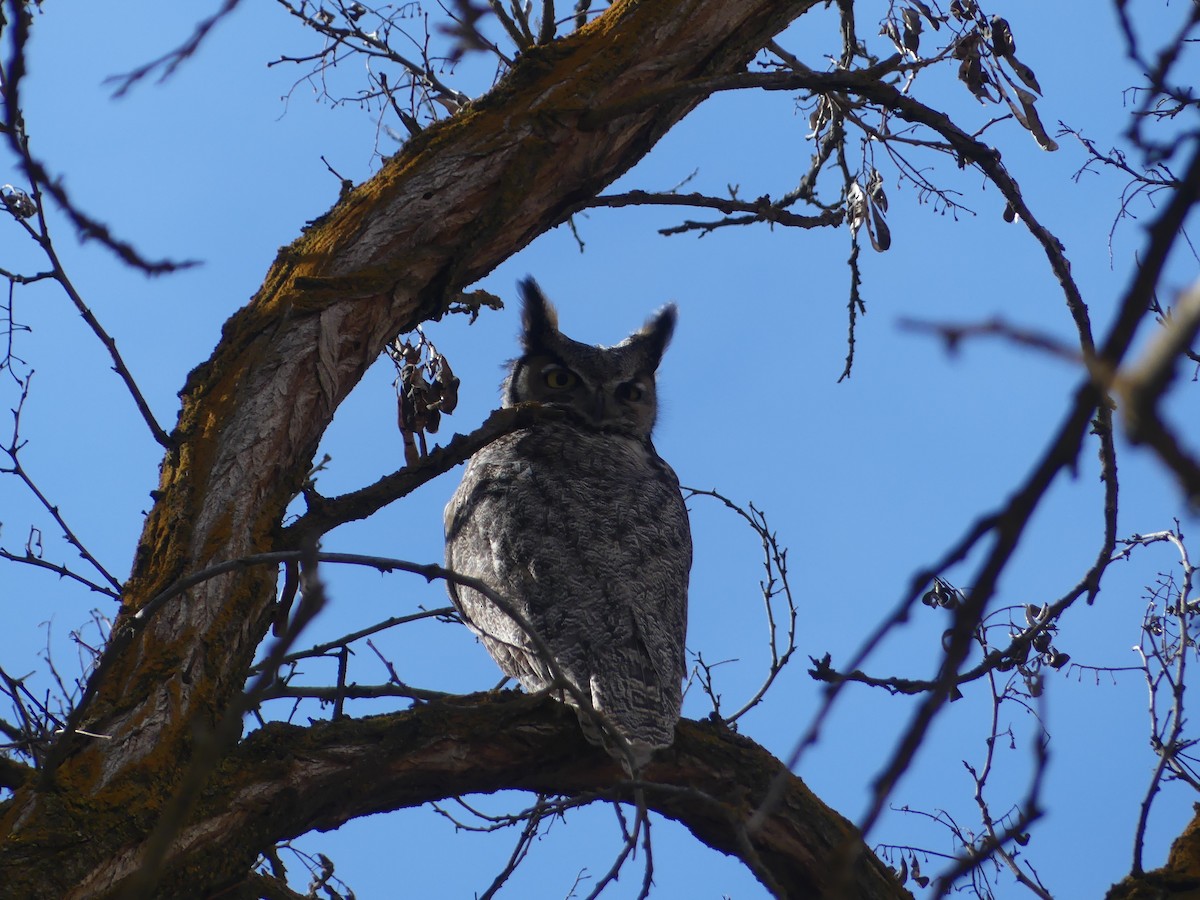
558 378
630 392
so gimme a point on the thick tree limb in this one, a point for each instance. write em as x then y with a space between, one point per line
285 780
12 773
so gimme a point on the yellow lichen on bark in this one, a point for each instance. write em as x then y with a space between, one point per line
1184 859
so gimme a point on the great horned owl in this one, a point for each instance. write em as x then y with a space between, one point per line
580 525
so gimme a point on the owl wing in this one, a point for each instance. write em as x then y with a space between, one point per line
650 668
484 541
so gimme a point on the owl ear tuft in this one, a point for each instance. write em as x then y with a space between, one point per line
656 333
539 318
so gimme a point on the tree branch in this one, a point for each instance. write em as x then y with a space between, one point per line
760 210
1144 383
285 780
326 513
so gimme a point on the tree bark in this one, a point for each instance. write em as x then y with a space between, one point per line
1179 879
285 780
456 201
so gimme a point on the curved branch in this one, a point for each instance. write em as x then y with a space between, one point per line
285 780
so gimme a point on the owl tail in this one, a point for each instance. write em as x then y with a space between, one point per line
633 756
628 734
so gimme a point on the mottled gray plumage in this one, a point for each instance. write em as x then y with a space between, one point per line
581 526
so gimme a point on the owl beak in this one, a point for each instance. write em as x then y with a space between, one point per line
602 411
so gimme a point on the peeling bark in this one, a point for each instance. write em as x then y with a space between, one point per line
456 201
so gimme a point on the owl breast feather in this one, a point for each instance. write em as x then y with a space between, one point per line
586 535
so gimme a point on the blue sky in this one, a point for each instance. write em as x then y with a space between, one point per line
867 481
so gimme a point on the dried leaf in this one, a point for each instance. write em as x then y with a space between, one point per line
934 20
881 236
964 10
820 117
1024 73
966 46
972 73
426 389
911 37
916 872
892 33
856 206
410 354
412 455
403 414
447 384
1030 119
473 302
1058 660
875 190
860 210
19 203
433 418
1003 43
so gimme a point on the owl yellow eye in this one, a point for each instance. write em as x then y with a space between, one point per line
630 392
558 378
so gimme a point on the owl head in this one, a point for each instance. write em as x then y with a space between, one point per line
609 388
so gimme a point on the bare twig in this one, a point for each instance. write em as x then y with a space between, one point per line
760 210
326 513
13 126
533 822
12 449
443 612
1166 640
774 585
341 692
953 335
171 61
995 842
